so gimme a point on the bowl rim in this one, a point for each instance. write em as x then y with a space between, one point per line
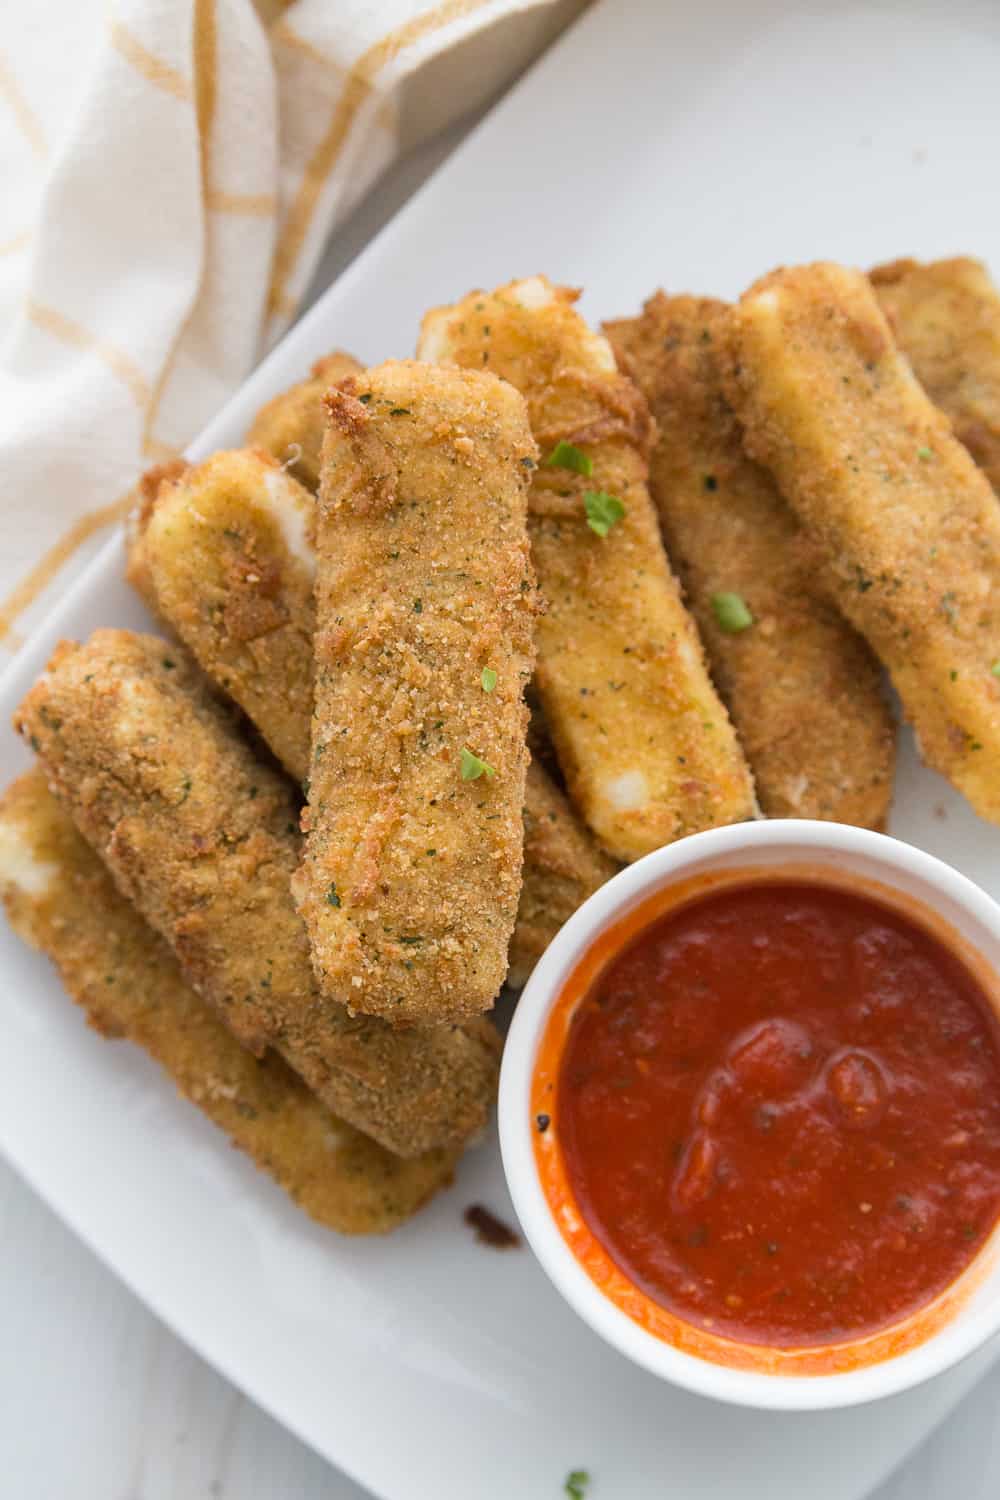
945 1346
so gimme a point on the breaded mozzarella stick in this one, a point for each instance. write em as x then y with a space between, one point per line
225 554
291 426
62 901
802 686
202 837
424 611
908 526
646 747
195 561
946 319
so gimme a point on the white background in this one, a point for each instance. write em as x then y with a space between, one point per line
98 1401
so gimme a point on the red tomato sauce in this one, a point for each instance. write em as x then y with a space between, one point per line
778 1109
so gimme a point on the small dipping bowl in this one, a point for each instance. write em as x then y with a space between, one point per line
892 1359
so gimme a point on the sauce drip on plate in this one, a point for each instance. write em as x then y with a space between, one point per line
779 1112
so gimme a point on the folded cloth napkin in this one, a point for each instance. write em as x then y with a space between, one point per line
171 172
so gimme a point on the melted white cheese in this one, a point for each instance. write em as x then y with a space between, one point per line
20 866
292 514
627 792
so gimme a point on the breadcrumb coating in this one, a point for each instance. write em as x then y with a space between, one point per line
225 554
803 688
646 746
291 426
946 319
907 525
61 900
412 868
202 837
562 867
209 568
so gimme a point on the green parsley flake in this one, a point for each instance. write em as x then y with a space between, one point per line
995 669
488 679
473 767
603 510
418 606
925 454
576 1484
731 612
331 896
568 456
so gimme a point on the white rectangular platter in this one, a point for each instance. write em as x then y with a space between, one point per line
688 145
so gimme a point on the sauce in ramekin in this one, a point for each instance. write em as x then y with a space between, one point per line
777 1112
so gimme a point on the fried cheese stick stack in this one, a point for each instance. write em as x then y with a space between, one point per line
907 525
211 553
291 427
801 685
946 319
424 611
202 837
646 746
62 901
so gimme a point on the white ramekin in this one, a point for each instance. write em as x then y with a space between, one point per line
846 854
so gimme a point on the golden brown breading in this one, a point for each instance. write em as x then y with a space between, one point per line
225 554
142 499
209 570
291 426
802 687
646 746
61 900
562 867
908 527
412 870
202 837
946 319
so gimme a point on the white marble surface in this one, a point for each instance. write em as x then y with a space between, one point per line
99 1401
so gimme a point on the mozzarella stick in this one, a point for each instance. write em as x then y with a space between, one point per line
802 686
907 525
201 564
946 319
646 746
225 554
202 837
424 605
61 900
291 426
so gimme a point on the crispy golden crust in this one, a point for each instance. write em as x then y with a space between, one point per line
291 426
61 900
203 838
908 526
143 498
562 867
946 319
646 746
225 554
801 685
411 876
209 569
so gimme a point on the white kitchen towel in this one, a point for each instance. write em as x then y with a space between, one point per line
171 170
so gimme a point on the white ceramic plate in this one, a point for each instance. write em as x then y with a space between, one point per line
691 145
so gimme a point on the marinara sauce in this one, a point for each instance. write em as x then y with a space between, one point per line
779 1112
